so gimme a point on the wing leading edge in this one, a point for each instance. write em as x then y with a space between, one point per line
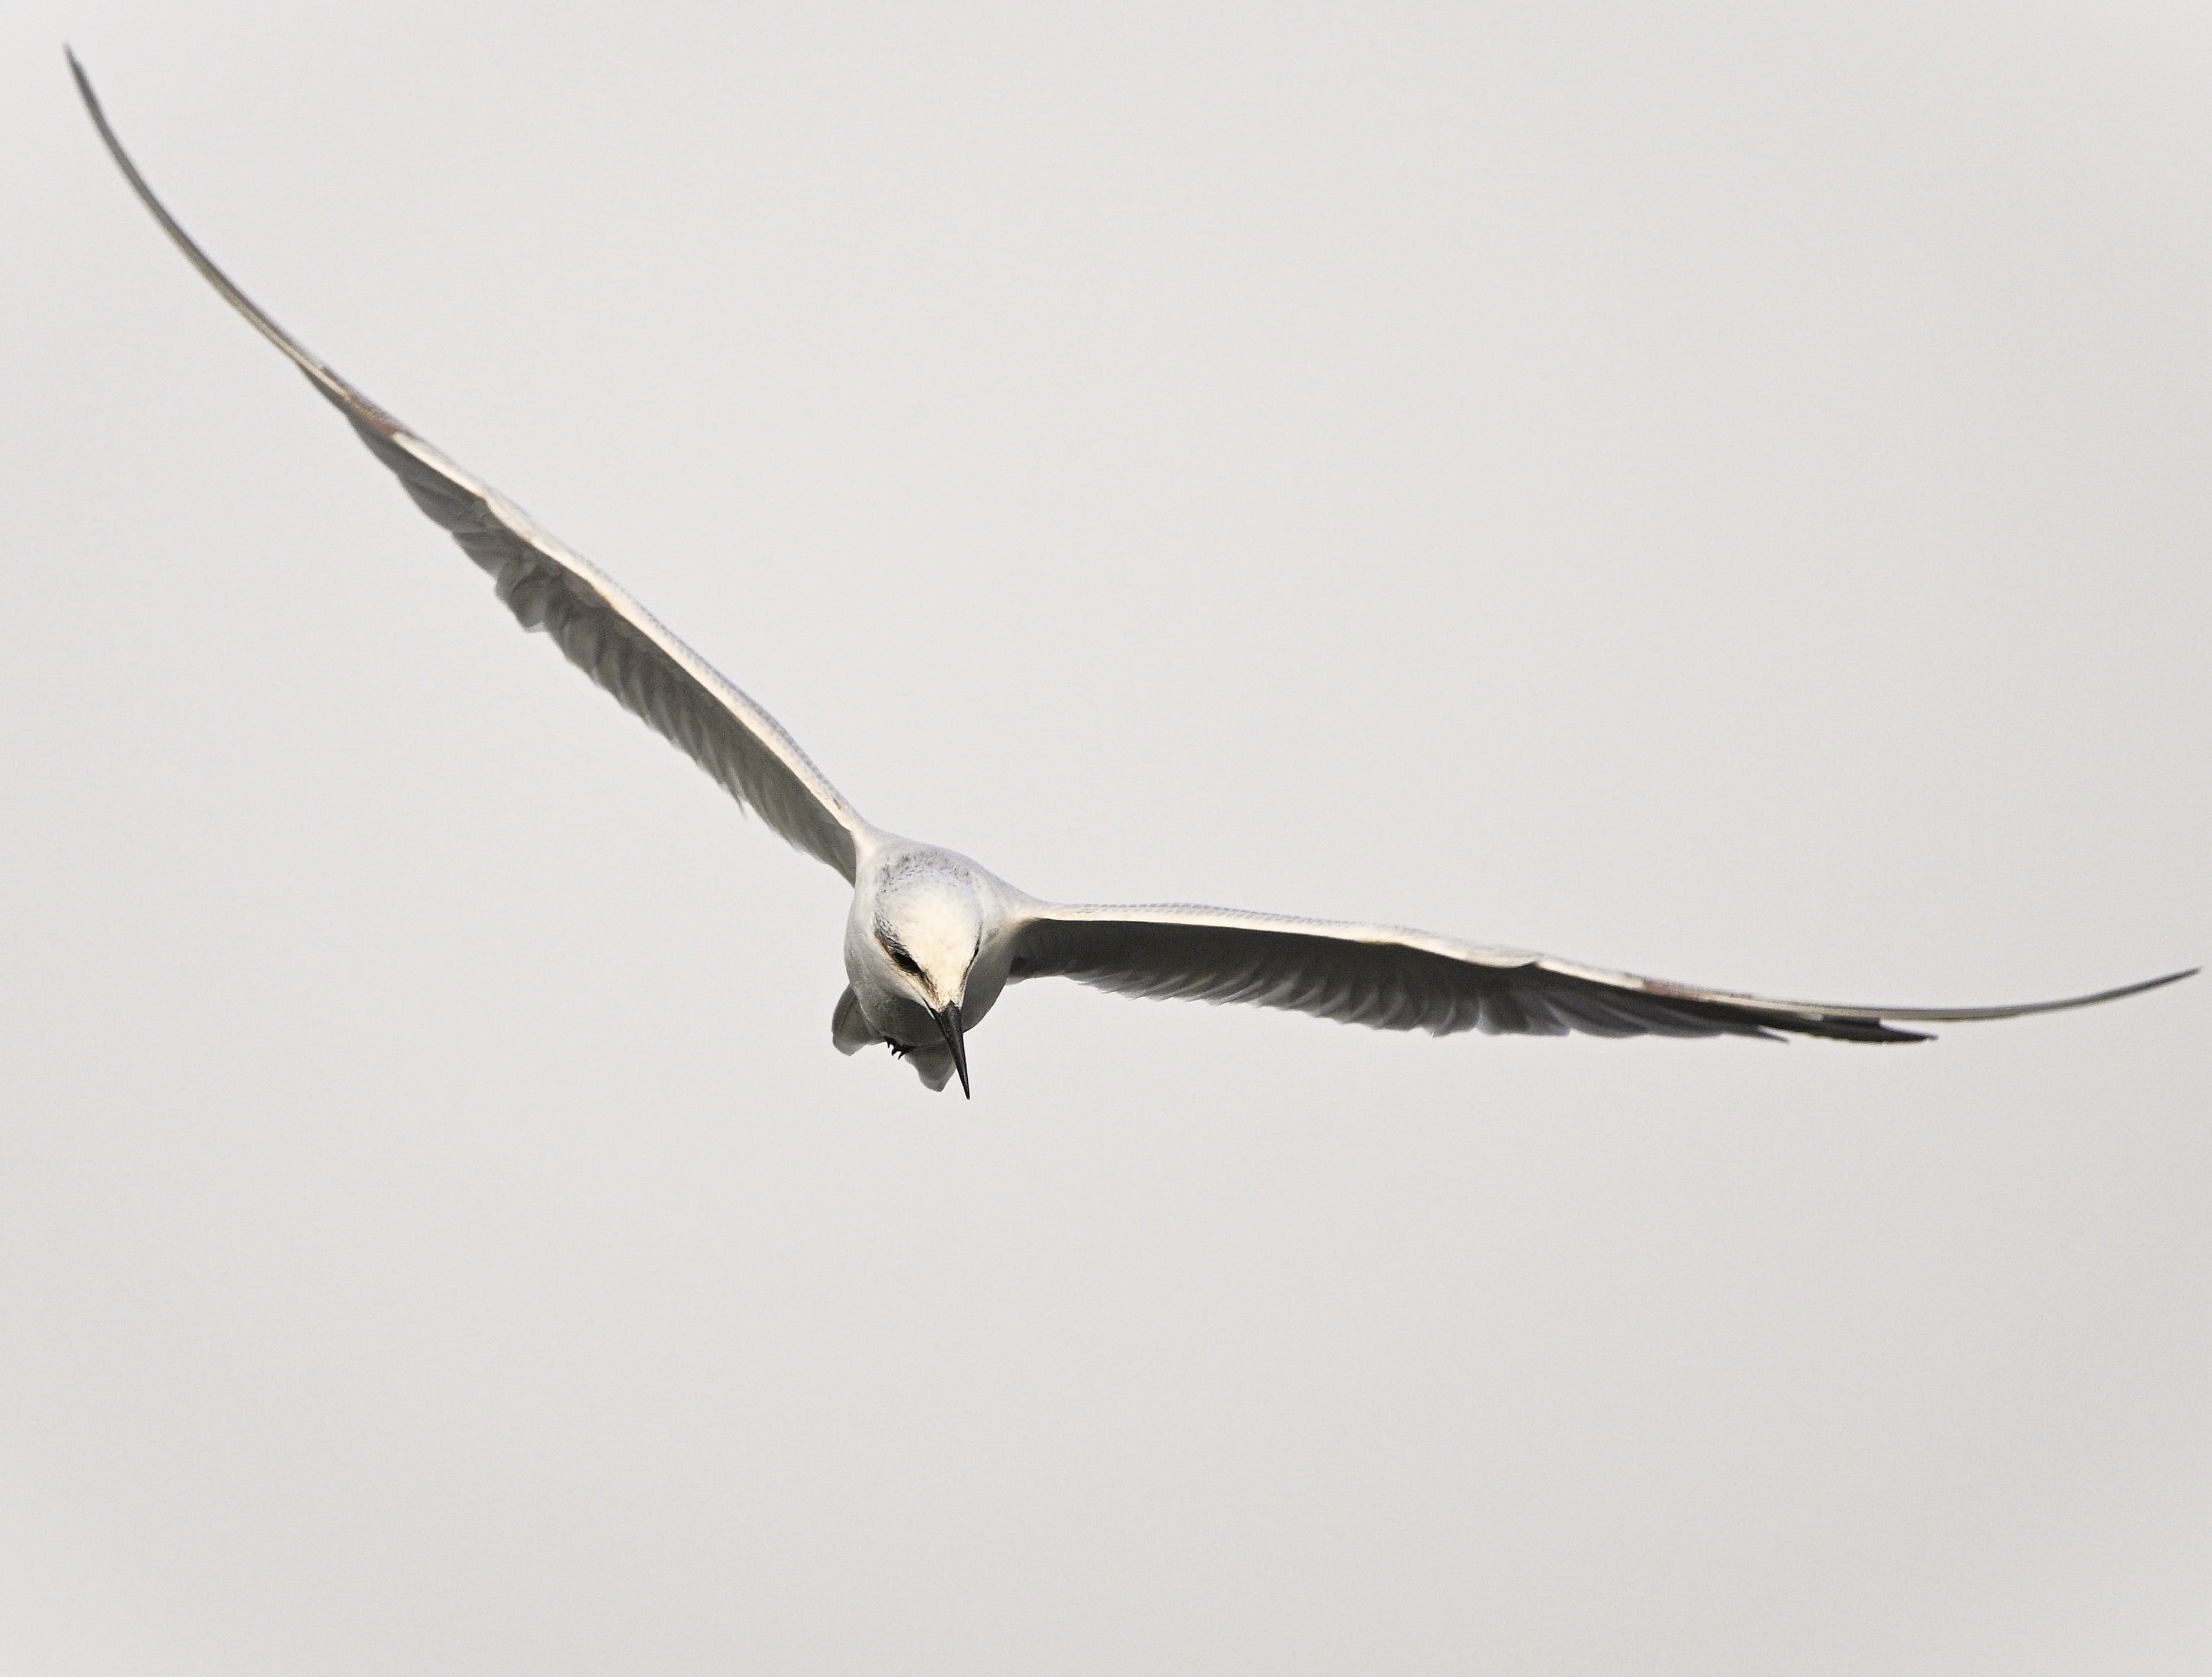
597 626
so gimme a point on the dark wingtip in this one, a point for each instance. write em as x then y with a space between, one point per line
2021 1010
2131 989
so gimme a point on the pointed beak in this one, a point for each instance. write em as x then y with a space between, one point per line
948 1022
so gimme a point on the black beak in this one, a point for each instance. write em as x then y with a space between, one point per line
948 1022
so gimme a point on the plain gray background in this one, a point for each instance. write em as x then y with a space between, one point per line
1720 492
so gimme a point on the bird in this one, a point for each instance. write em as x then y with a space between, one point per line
931 937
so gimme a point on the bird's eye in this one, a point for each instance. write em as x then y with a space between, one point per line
900 959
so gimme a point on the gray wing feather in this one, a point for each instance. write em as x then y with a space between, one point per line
597 626
1392 979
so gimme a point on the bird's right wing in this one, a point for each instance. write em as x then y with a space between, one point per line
600 628
1392 979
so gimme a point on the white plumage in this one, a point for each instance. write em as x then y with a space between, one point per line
932 938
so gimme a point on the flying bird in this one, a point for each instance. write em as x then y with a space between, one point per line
932 938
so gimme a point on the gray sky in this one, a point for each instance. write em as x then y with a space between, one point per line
1719 494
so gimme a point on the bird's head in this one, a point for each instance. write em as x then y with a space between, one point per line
929 926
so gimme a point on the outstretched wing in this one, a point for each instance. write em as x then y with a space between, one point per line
603 631
1392 979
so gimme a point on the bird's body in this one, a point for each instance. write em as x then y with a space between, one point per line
926 925
932 938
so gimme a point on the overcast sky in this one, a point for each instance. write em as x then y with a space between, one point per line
1722 492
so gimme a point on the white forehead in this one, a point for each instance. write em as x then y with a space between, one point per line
934 915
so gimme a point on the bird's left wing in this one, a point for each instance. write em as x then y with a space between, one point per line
1392 979
600 628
